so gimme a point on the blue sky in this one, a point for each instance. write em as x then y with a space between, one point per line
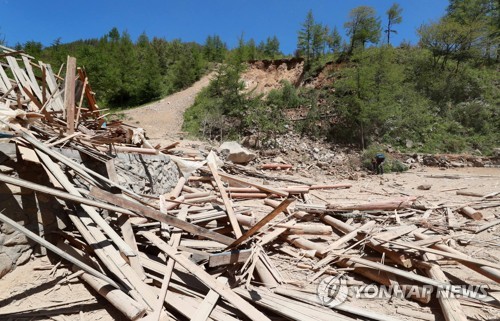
194 20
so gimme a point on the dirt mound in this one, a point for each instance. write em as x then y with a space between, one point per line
264 75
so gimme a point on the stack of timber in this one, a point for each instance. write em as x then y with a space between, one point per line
222 245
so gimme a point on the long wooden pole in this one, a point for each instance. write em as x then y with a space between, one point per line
254 229
63 195
69 94
56 250
159 216
96 217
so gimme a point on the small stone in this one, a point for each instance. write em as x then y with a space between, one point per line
424 187
316 149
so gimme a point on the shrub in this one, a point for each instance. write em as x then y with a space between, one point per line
390 164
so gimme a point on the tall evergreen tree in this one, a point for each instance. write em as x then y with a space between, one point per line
334 40
363 27
393 18
272 47
305 38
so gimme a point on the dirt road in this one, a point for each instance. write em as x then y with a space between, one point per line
163 119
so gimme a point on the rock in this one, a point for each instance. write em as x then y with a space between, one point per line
6 229
457 164
251 141
478 162
389 149
424 187
279 160
409 143
16 239
236 153
316 149
24 257
5 264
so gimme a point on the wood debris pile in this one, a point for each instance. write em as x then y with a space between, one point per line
201 252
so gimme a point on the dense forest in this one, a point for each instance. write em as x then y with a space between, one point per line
128 73
441 94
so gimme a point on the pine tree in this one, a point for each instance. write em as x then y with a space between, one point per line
393 18
304 44
363 27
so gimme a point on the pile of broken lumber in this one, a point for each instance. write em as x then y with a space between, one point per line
223 246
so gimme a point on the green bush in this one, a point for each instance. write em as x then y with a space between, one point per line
391 165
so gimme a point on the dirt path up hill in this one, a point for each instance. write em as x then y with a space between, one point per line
163 118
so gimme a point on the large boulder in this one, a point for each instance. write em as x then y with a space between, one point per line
236 153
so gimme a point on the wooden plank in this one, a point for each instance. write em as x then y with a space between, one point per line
119 299
259 186
5 79
96 217
208 304
290 308
175 241
159 216
450 306
452 220
62 195
459 258
227 202
69 94
230 257
396 232
418 278
126 228
31 77
105 250
56 250
399 258
57 103
347 237
487 271
254 229
88 90
81 101
249 310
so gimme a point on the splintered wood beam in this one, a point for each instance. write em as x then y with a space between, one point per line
69 94
175 241
56 250
224 291
230 257
159 216
208 304
227 202
92 213
254 229
450 306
